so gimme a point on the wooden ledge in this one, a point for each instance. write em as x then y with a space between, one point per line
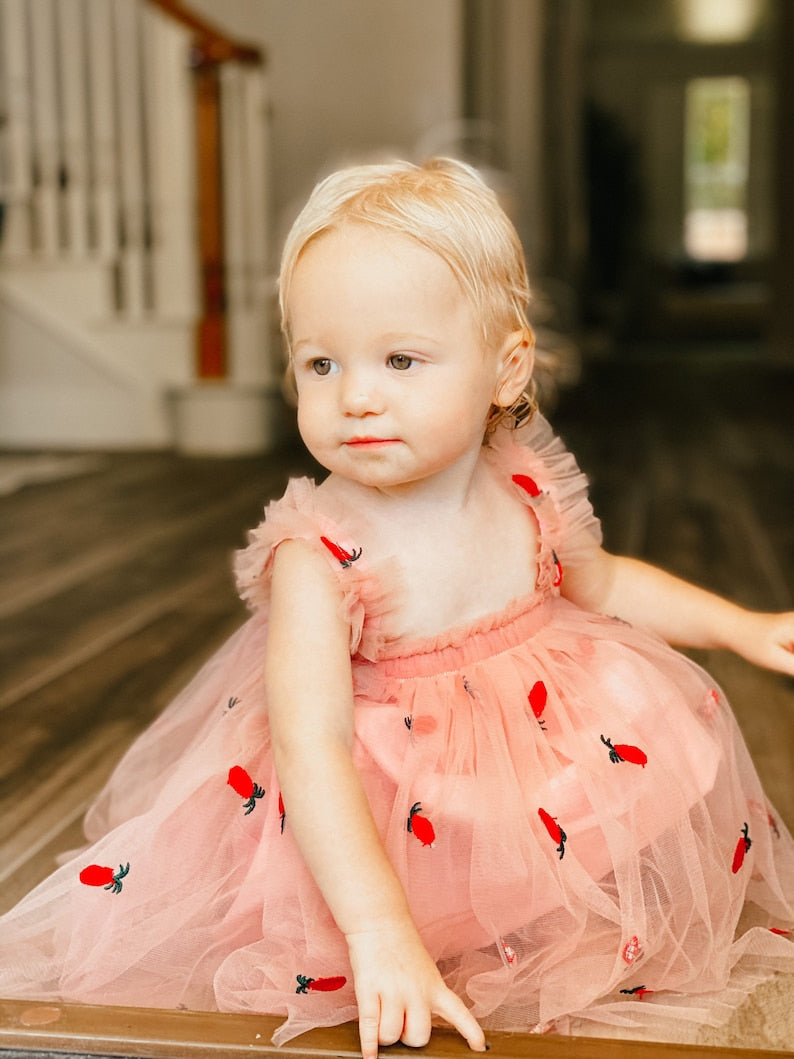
28 1027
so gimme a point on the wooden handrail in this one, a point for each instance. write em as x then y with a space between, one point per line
215 46
211 48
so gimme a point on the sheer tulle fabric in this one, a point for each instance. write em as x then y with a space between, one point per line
568 802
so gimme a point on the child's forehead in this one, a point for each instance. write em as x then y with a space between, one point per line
361 277
375 239
372 246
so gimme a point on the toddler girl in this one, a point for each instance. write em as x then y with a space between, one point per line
449 767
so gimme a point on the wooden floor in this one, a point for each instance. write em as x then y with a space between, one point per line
116 583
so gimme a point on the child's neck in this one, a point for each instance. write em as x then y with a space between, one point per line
451 490
462 545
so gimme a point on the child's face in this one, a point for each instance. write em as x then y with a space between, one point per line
394 383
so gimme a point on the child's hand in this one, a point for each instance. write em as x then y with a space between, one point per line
399 989
768 640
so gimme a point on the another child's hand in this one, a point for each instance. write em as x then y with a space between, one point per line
399 989
768 640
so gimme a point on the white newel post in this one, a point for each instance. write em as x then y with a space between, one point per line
243 412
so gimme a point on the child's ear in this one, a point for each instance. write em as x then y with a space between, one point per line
516 359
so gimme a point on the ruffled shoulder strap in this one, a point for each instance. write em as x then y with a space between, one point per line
550 480
297 516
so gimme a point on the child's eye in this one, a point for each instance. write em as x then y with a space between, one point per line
400 361
322 366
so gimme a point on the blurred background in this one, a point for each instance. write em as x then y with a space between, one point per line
152 155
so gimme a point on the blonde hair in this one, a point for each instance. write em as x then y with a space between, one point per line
446 207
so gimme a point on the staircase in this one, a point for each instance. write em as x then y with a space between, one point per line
135 255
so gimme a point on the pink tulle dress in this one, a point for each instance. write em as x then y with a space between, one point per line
568 803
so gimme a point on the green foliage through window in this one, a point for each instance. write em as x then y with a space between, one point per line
716 168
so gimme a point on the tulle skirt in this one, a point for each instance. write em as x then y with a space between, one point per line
568 802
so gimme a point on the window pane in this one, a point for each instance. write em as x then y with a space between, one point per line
716 168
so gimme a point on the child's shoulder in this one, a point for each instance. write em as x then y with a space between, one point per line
303 512
307 502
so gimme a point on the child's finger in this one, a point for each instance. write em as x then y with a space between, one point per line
392 1021
418 1026
368 1027
454 1011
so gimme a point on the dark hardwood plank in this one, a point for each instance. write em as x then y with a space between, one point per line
58 544
135 574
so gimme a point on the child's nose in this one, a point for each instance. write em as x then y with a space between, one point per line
361 396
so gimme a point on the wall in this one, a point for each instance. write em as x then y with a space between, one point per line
348 78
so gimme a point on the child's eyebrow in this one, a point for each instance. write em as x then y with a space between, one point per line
397 338
389 338
308 342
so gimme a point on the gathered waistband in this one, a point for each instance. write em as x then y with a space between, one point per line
465 644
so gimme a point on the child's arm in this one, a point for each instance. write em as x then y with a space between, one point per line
310 705
680 612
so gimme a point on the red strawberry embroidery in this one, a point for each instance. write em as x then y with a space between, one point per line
554 830
345 558
509 951
742 848
319 985
424 724
529 485
711 703
632 950
763 811
282 812
537 700
241 782
557 569
638 990
420 826
98 875
624 752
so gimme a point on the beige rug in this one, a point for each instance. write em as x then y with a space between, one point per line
18 470
765 1020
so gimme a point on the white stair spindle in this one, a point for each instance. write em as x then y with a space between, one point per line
17 159
235 189
46 146
244 122
170 138
260 283
104 145
256 104
132 179
75 131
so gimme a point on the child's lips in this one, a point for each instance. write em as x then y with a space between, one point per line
370 442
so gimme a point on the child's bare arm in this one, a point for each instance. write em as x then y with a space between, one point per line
310 704
680 612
